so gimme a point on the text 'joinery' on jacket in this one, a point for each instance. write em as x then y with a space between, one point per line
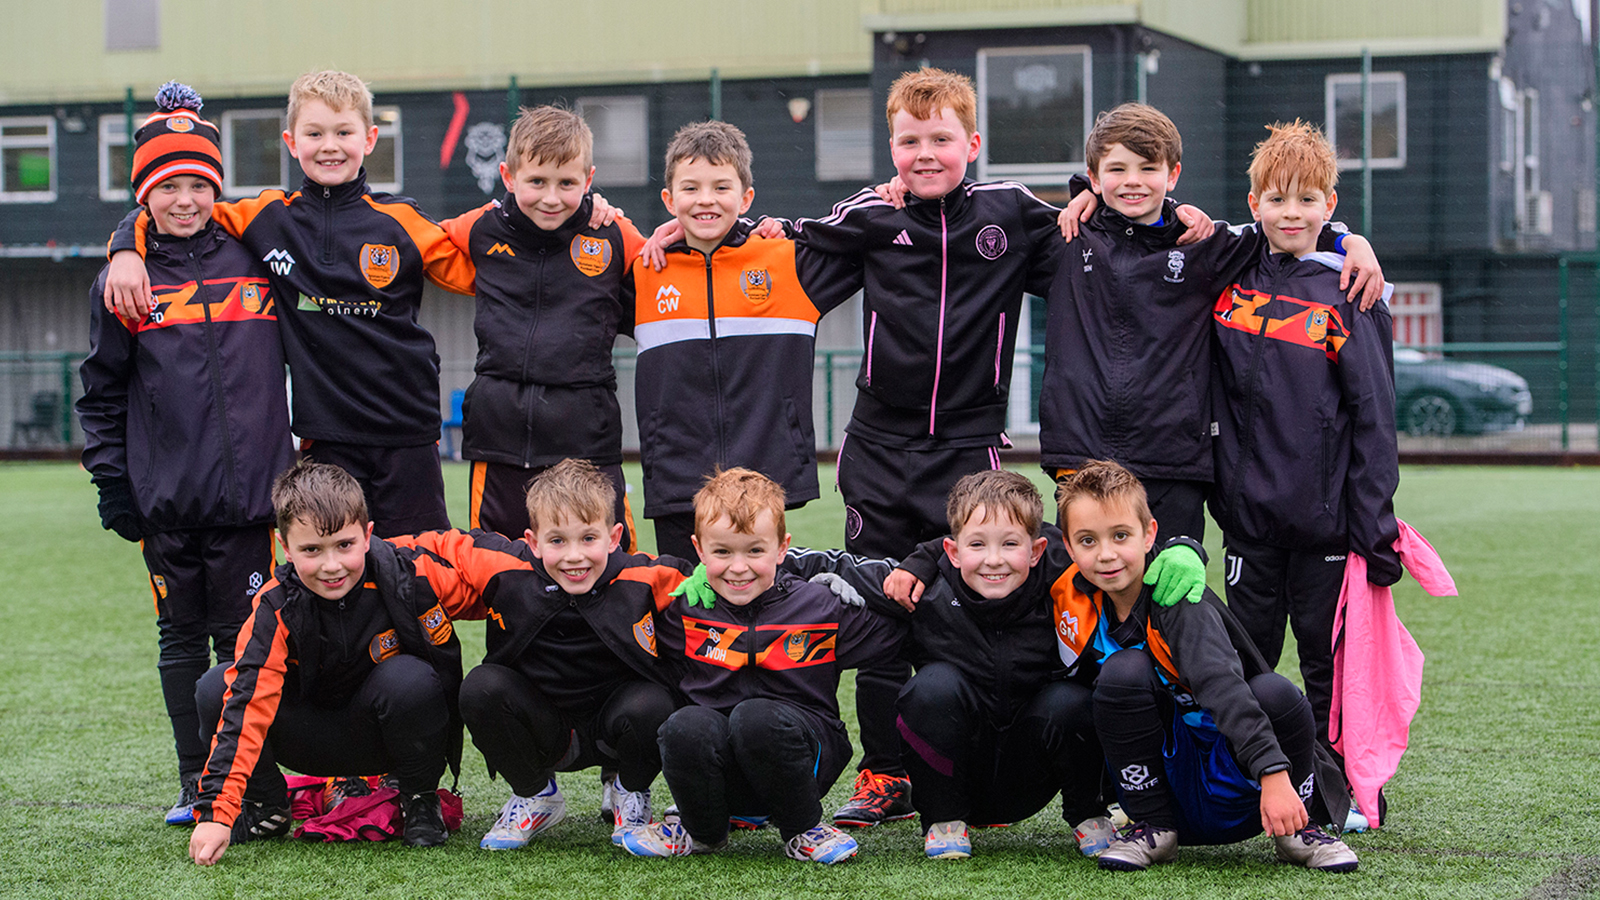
726 348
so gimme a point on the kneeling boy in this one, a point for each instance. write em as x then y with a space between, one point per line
764 651
1208 744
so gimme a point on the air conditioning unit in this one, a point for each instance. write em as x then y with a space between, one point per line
1539 217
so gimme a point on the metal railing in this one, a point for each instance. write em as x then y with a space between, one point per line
37 390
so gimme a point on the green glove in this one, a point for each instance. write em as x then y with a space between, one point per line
1178 573
697 589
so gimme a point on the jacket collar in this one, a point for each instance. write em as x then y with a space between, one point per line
953 204
736 237
202 241
1166 233
336 194
535 236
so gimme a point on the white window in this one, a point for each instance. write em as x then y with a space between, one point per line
254 158
28 160
1033 112
385 163
844 134
133 24
1343 110
114 158
621 127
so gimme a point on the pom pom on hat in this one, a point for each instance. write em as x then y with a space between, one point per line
176 141
175 95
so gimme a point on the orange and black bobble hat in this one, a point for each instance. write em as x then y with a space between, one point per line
175 141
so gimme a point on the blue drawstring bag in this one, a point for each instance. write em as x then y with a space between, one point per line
1217 803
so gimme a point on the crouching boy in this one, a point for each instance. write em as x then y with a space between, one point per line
1208 745
348 663
764 651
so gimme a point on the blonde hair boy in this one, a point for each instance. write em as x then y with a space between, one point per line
572 488
339 90
551 135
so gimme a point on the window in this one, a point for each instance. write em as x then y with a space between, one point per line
253 154
114 159
1033 112
621 127
1343 99
133 24
844 135
384 163
28 160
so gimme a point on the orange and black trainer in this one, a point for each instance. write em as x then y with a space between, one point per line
877 799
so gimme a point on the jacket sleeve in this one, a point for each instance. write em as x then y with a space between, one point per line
864 574
459 228
460 566
443 262
249 705
130 233
829 279
1206 662
106 371
841 232
632 241
865 637
1365 367
628 296
1045 243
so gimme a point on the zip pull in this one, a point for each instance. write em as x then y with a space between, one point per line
328 192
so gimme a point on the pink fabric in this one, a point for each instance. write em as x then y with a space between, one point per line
1377 669
373 817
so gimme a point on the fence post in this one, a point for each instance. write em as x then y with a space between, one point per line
1561 358
827 391
66 399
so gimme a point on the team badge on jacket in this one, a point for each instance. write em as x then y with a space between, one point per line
756 284
992 241
1317 325
436 624
384 645
590 254
644 634
250 297
380 263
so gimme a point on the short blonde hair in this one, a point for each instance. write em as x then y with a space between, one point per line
924 92
575 488
1294 155
1138 126
339 90
997 491
1106 483
741 495
718 143
323 496
550 134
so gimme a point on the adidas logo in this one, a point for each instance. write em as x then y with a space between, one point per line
903 238
280 261
501 248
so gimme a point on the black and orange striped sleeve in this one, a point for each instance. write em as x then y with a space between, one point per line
443 262
235 216
249 705
661 575
460 565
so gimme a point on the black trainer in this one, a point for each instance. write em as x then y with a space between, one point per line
259 822
424 822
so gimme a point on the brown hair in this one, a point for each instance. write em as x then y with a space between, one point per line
1141 128
1104 482
340 90
323 496
1294 155
997 491
718 143
742 496
924 92
573 487
549 133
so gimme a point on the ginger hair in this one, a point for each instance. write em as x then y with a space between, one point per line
741 495
1294 156
924 92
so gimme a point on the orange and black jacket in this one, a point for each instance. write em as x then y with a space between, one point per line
1306 452
188 404
790 643
348 267
548 311
420 595
726 348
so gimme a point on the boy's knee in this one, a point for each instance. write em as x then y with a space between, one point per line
936 688
485 689
208 693
1278 697
1129 668
761 724
406 684
693 730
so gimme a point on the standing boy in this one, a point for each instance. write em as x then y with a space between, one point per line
1306 456
184 416
727 335
348 265
548 311
763 652
1207 743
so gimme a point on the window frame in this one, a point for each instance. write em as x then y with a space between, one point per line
832 171
610 173
1331 84
1031 173
109 137
230 187
48 141
390 130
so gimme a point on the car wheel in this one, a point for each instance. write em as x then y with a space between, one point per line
1430 415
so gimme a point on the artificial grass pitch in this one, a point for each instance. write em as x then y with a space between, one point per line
1499 795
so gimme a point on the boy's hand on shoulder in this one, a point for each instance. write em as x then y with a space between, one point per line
1282 811
654 251
1361 274
1079 209
1178 573
127 292
848 596
892 192
604 213
1200 225
696 590
903 588
208 842
768 229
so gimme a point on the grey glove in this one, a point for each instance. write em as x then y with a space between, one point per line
848 596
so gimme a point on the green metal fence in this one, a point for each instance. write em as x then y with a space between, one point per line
37 390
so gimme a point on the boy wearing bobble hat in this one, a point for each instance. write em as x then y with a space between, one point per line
185 417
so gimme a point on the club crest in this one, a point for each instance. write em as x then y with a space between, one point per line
590 254
756 284
991 241
160 585
180 124
1317 325
384 645
250 297
644 634
436 624
380 263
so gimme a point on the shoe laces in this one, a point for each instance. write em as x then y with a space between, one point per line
1139 831
634 806
871 784
1313 834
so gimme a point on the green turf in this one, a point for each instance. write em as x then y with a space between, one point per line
1498 797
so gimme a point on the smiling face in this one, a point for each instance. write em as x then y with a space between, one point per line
181 205
993 553
329 564
1109 543
707 198
548 194
931 155
1292 218
574 552
1133 185
741 565
330 144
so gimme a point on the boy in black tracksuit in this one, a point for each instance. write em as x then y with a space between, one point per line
1306 455
548 311
185 420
